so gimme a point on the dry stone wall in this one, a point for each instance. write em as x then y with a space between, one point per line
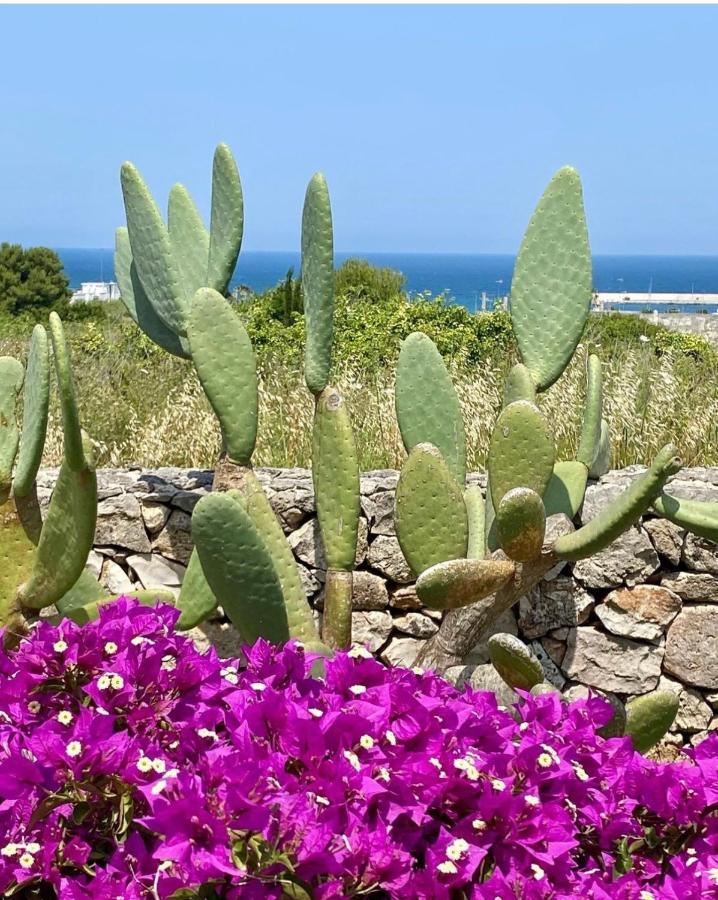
640 615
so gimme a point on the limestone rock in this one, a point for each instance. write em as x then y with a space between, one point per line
702 735
175 539
371 628
505 624
667 538
692 586
611 663
700 555
94 563
416 624
561 602
385 557
401 651
114 578
119 521
369 591
187 500
379 510
712 698
220 635
551 672
556 649
155 571
691 646
486 678
694 713
642 612
405 598
306 543
630 560
155 516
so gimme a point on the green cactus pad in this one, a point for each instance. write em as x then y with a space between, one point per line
137 303
318 283
90 611
227 220
514 662
697 516
65 540
476 519
152 251
430 516
73 450
225 362
588 447
337 617
519 385
649 717
491 540
602 461
552 283
427 407
196 601
459 582
189 241
616 725
622 512
567 488
36 401
17 552
239 568
87 589
11 377
521 524
335 472
299 616
521 452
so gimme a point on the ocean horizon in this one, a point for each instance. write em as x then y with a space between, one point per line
463 277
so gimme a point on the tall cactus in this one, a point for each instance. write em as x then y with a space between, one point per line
549 306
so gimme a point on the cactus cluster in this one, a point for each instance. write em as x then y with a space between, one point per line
173 280
645 719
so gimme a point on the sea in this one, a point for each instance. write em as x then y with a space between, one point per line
462 277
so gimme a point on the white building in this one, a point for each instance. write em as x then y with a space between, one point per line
96 290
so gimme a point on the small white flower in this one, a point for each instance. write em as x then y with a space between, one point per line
552 753
64 717
478 825
144 764
524 726
258 686
117 682
531 800
461 764
110 648
713 875
359 653
34 707
367 741
159 765
390 737
74 748
384 774
357 689
457 849
447 868
10 849
207 733
353 759
417 670
545 761
317 713
322 801
643 338
59 646
498 785
581 773
103 682
538 871
169 663
435 762
647 895
158 787
472 773
229 674
27 861
139 639
33 847
101 710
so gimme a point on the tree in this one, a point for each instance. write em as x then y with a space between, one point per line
358 279
32 281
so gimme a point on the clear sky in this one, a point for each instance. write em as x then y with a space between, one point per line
437 127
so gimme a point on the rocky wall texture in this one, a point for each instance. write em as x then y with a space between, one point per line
640 615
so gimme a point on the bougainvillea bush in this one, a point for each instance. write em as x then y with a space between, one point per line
133 766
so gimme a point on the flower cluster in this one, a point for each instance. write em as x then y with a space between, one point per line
133 766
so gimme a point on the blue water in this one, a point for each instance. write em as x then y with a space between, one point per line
462 275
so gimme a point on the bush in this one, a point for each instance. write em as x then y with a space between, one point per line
133 766
32 282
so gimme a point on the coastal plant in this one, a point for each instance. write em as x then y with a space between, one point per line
475 556
173 279
133 765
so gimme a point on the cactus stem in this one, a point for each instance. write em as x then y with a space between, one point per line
337 622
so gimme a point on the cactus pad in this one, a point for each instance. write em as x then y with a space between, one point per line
318 283
521 524
430 518
189 241
36 401
552 282
514 662
567 488
11 377
622 512
697 516
616 725
591 428
239 568
73 448
602 461
335 472
227 220
427 407
519 385
90 611
649 717
225 362
195 601
87 589
459 582
521 452
476 519
17 551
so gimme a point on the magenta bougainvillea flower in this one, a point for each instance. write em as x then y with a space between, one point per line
134 766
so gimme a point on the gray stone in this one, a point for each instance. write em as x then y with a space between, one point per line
702 735
401 651
486 678
612 663
306 544
561 634
119 521
371 628
94 563
154 515
692 586
187 500
712 698
551 672
220 635
694 484
691 646
379 510
700 555
112 482
553 604
369 591
114 578
642 612
575 692
601 494
505 624
175 539
630 560
667 538
694 713
385 557
155 571
404 598
310 580
416 624
556 649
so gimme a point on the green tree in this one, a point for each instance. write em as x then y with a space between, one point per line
32 281
358 279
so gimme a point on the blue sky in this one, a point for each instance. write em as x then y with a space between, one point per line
437 127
